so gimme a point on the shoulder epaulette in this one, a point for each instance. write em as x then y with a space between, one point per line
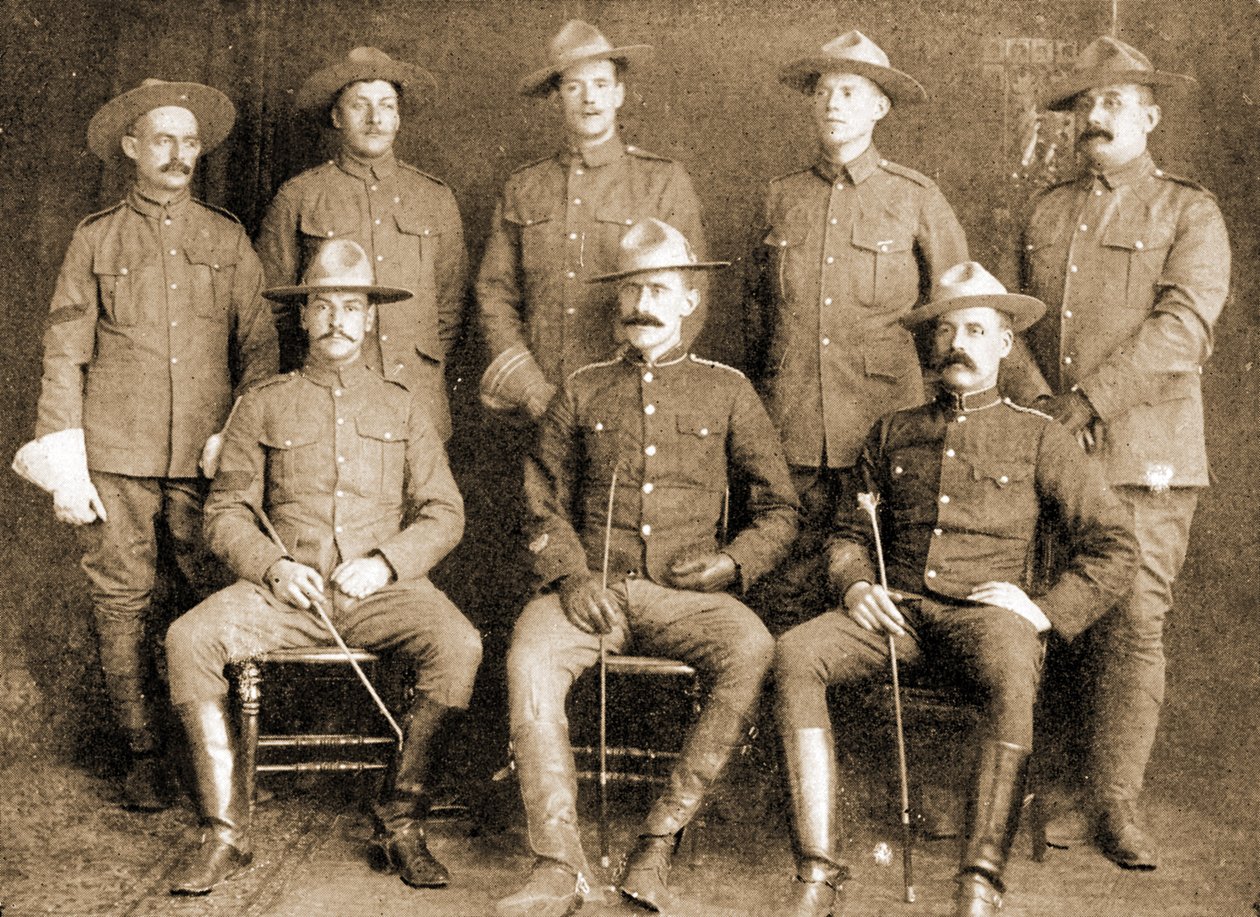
786 175
409 167
644 154
1181 180
93 217
906 172
1055 185
577 372
714 363
532 163
1026 410
221 211
273 380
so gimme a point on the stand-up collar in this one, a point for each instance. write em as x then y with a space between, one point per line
671 357
1129 173
331 375
384 167
966 402
601 154
856 171
148 207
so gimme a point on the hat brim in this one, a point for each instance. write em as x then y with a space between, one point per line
901 88
1024 311
213 110
690 266
374 293
539 83
321 89
1063 92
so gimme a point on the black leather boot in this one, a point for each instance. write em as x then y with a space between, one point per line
810 756
559 882
224 848
997 799
402 807
145 787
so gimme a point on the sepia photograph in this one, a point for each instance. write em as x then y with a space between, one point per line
707 458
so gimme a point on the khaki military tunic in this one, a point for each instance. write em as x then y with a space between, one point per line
558 224
156 323
409 224
846 253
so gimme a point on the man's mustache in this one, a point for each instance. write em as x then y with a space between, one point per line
1091 133
644 321
955 358
336 334
176 166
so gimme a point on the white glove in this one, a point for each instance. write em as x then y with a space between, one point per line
57 463
209 461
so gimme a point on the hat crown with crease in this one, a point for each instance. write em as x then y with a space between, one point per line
213 110
363 64
339 266
969 286
853 52
577 42
854 46
652 245
1108 61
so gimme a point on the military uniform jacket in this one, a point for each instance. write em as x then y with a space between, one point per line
558 224
845 254
962 484
1134 269
409 225
156 319
343 463
676 433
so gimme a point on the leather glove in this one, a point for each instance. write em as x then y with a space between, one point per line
1071 409
711 573
588 607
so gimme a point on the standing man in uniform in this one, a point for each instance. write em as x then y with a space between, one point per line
960 486
156 324
660 436
406 220
1133 263
851 244
559 223
333 489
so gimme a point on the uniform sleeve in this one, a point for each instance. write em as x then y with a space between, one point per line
257 351
1101 550
852 542
232 527
550 475
451 275
758 466
1177 335
498 286
69 340
682 211
434 515
940 236
277 241
760 290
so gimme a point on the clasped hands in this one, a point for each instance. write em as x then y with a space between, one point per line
300 586
596 610
1075 413
874 608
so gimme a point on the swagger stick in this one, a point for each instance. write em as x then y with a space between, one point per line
868 502
331 628
603 691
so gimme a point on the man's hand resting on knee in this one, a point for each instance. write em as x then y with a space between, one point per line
874 608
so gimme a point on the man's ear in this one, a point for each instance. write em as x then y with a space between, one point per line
619 94
693 300
884 106
1008 342
1153 113
370 318
129 146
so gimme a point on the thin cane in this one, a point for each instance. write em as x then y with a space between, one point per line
868 502
332 630
603 692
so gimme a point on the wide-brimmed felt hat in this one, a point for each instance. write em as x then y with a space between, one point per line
853 52
968 286
214 112
651 245
360 65
1108 61
339 266
576 43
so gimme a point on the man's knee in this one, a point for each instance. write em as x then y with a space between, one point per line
796 658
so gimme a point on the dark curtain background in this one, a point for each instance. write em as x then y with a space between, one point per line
711 100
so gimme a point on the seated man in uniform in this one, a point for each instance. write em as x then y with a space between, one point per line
657 434
960 484
332 489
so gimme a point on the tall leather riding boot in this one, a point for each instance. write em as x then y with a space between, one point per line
560 879
645 876
997 799
145 786
810 755
224 847
402 807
